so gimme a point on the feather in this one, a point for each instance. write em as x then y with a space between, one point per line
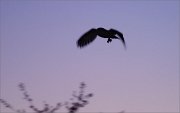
121 37
87 38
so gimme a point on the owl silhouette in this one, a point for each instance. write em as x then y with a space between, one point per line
92 34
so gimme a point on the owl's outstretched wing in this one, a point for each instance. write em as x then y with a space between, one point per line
121 37
87 38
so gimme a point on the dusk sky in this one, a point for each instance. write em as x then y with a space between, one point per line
38 47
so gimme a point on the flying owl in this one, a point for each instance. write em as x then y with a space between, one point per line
91 35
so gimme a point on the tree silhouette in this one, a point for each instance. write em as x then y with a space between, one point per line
72 107
79 99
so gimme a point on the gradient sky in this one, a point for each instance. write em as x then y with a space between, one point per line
38 48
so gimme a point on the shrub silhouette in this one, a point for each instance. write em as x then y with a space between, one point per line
81 99
78 100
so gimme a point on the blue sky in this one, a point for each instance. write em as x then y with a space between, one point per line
38 48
